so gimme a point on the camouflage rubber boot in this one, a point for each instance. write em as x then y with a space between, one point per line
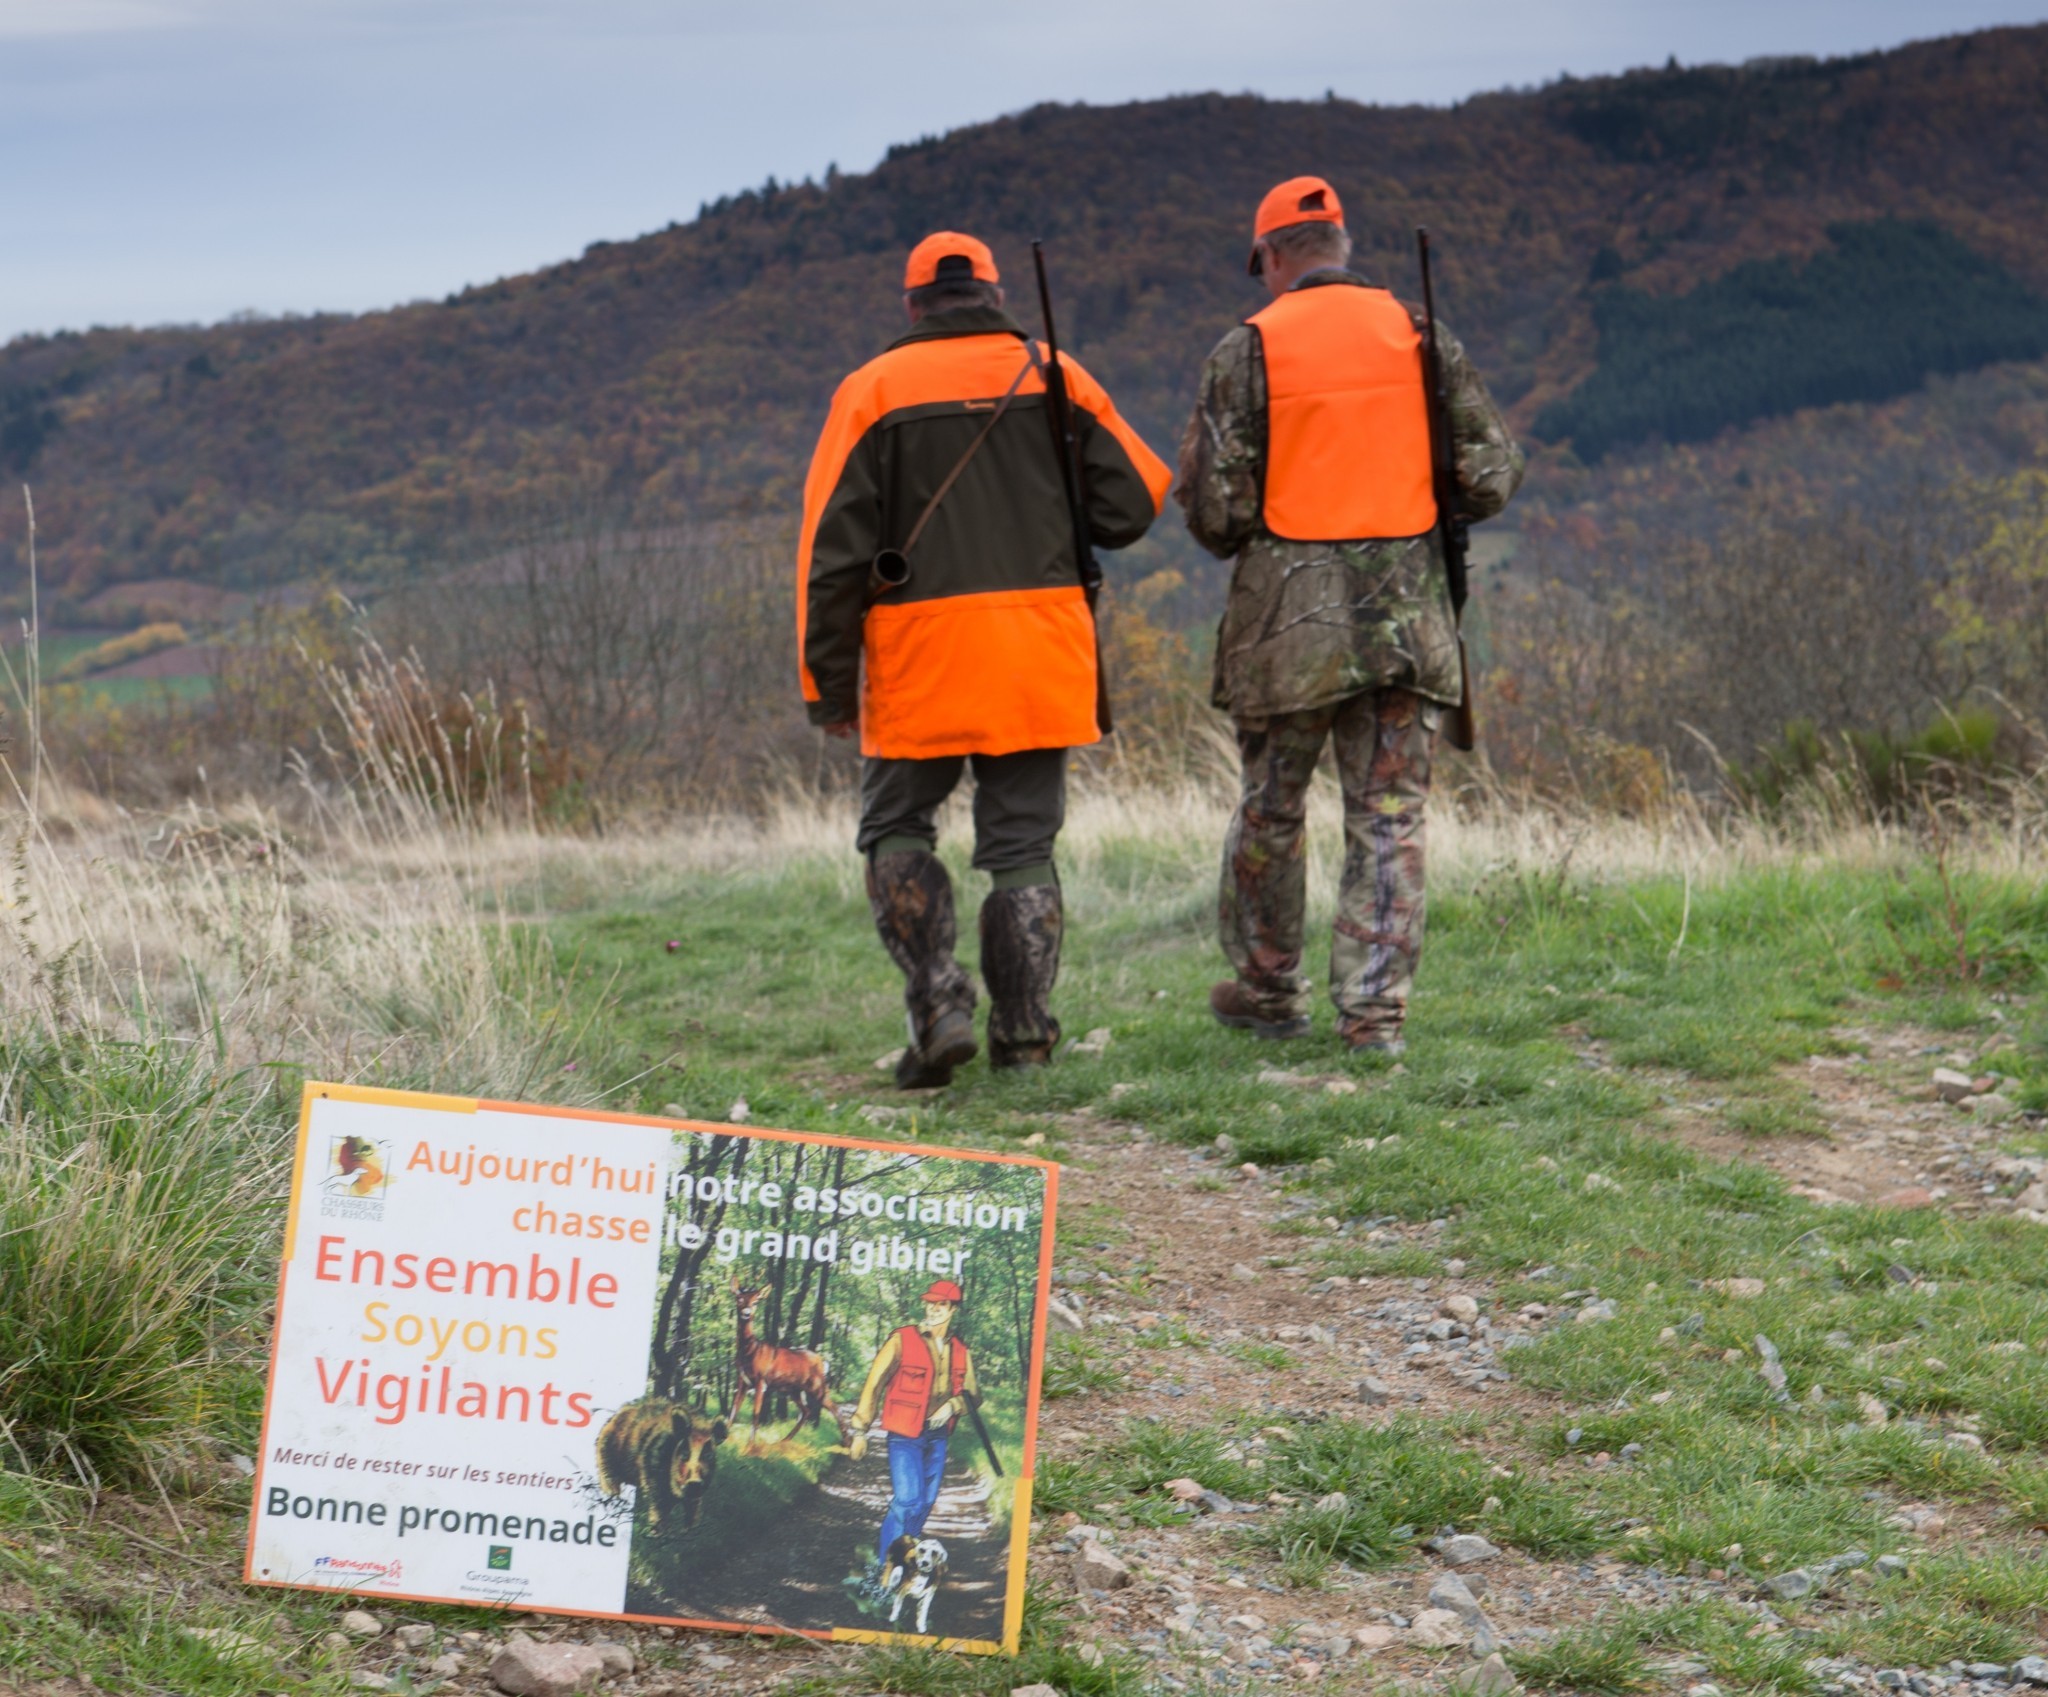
912 901
1020 959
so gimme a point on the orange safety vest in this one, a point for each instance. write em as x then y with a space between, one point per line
908 1399
1347 424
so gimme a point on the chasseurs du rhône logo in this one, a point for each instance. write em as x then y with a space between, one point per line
358 1176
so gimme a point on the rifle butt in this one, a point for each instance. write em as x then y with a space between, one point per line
1461 729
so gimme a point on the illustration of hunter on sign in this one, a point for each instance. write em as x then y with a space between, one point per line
787 1270
663 1370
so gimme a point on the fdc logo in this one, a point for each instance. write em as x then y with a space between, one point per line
500 1558
357 1178
357 1167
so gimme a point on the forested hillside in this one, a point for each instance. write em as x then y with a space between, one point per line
687 370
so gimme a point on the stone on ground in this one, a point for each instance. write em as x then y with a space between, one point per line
1952 1086
360 1623
1451 1592
1466 1548
417 1636
526 1668
1490 1679
1437 1629
1099 1570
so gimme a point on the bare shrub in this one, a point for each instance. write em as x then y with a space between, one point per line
655 655
1781 628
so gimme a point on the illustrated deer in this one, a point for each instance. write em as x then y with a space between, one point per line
765 1367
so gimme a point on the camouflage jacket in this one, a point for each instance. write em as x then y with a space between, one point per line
1309 623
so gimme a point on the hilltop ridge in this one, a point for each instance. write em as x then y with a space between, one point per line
689 368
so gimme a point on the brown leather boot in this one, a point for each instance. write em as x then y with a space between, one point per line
1020 959
1233 1005
912 901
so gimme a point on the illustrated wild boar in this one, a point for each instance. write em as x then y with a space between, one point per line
667 1452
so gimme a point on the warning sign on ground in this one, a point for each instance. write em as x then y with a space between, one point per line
660 1370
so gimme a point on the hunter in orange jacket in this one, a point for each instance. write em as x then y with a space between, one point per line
940 449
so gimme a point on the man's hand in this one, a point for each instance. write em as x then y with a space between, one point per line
947 1410
842 728
858 1449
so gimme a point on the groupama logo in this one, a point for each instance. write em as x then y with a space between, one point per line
500 1558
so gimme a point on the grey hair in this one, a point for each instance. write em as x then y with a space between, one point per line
1329 243
952 295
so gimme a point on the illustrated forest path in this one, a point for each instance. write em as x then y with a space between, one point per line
794 1571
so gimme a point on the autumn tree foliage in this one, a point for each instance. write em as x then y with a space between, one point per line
685 372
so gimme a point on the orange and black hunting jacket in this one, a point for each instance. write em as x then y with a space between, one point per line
990 647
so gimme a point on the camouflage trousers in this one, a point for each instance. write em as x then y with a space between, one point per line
1383 740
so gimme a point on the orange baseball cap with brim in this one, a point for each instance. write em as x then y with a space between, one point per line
1299 200
949 256
944 1291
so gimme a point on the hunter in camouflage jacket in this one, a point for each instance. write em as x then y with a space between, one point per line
1311 623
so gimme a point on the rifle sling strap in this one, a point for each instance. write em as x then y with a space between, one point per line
952 477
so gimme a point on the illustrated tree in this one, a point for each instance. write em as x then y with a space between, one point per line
709 1157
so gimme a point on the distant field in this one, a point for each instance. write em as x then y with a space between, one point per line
129 692
117 688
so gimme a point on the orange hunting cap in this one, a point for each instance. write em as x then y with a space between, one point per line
1299 200
949 256
945 1291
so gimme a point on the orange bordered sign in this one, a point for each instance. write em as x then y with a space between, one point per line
633 1368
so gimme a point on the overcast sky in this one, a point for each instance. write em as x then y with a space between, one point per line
181 160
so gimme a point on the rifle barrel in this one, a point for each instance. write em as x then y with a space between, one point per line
1460 728
1066 444
1065 441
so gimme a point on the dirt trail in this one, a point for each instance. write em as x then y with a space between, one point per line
1230 1290
1888 1138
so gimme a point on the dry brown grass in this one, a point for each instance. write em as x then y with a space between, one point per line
381 921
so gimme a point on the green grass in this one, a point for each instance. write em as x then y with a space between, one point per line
1495 1122
1504 1107
1608 1661
139 1207
1046 1657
